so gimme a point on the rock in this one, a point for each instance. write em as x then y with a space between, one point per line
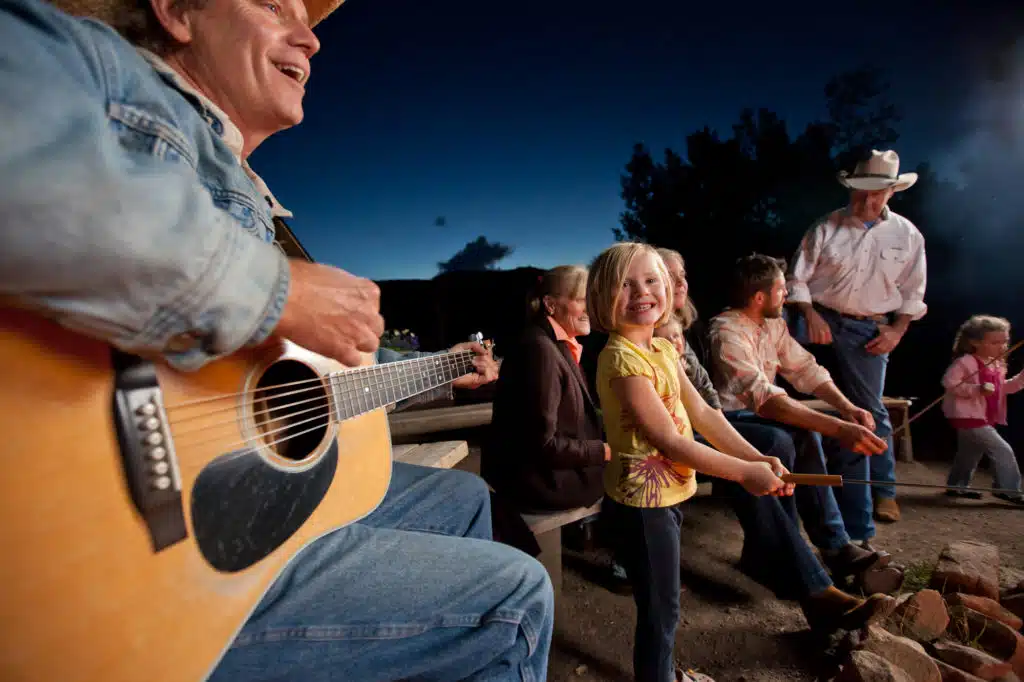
865 666
991 635
969 567
989 607
971 660
1011 579
922 616
884 580
904 653
1014 604
951 674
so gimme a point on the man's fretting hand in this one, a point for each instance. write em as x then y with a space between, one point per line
485 368
331 312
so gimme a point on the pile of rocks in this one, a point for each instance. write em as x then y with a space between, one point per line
964 626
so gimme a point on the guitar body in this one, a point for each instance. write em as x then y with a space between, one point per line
87 593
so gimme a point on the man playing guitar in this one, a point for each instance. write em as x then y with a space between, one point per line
131 217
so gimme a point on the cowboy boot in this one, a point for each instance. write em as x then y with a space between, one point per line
853 559
833 609
886 510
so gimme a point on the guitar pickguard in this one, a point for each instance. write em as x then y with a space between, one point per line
243 508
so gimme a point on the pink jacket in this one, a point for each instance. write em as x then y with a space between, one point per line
966 401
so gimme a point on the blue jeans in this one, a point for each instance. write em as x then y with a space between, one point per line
861 377
817 504
774 552
646 542
416 590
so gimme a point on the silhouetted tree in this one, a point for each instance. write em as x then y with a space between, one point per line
478 254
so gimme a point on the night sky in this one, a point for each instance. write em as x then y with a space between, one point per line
514 120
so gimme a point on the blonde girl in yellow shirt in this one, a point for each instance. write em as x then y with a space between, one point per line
648 404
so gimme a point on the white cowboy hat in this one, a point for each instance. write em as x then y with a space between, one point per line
881 171
106 10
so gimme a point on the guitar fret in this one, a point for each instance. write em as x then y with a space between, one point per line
361 390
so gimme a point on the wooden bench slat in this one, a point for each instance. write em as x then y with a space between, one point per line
416 422
442 455
546 521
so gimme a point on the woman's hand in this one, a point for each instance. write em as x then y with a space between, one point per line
607 452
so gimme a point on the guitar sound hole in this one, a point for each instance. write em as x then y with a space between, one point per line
291 409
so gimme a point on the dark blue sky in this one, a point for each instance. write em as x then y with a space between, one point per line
514 120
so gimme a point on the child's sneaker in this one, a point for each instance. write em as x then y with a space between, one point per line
1013 499
966 494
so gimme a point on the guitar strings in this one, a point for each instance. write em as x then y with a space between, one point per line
340 390
367 369
346 395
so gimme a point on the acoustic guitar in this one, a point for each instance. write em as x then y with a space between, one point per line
145 511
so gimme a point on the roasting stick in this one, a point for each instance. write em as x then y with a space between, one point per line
838 481
938 400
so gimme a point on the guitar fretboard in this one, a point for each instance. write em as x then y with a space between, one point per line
363 389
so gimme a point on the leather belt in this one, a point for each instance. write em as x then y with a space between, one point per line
881 318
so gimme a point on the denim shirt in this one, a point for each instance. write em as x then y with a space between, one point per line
127 213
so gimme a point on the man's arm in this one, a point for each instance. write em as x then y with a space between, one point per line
121 246
911 285
804 263
802 268
782 408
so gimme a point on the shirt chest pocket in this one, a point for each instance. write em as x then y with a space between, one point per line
894 259
242 207
141 132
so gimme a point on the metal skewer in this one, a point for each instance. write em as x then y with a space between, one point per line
839 481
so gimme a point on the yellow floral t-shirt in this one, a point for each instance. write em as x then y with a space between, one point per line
638 475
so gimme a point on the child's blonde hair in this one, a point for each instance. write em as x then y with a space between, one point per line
688 313
604 283
973 332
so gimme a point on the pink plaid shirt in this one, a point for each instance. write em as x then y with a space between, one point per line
747 356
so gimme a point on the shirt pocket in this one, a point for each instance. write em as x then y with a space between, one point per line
894 259
244 210
142 132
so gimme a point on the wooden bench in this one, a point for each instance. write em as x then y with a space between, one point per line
418 422
442 455
547 528
899 413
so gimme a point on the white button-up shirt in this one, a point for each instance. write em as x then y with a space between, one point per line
856 270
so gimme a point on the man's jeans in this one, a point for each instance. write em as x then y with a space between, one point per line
860 375
817 504
774 552
416 590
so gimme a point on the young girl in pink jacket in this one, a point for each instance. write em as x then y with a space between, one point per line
975 401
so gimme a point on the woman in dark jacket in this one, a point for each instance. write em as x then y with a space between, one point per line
546 451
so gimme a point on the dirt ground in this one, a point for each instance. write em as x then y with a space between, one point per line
732 628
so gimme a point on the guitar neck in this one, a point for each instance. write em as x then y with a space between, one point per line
364 389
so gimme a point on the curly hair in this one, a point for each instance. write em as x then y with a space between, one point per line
973 331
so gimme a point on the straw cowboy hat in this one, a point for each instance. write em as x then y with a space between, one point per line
105 10
881 171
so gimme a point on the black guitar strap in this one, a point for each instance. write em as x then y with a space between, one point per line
285 238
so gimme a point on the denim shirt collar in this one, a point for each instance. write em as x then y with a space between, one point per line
219 122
